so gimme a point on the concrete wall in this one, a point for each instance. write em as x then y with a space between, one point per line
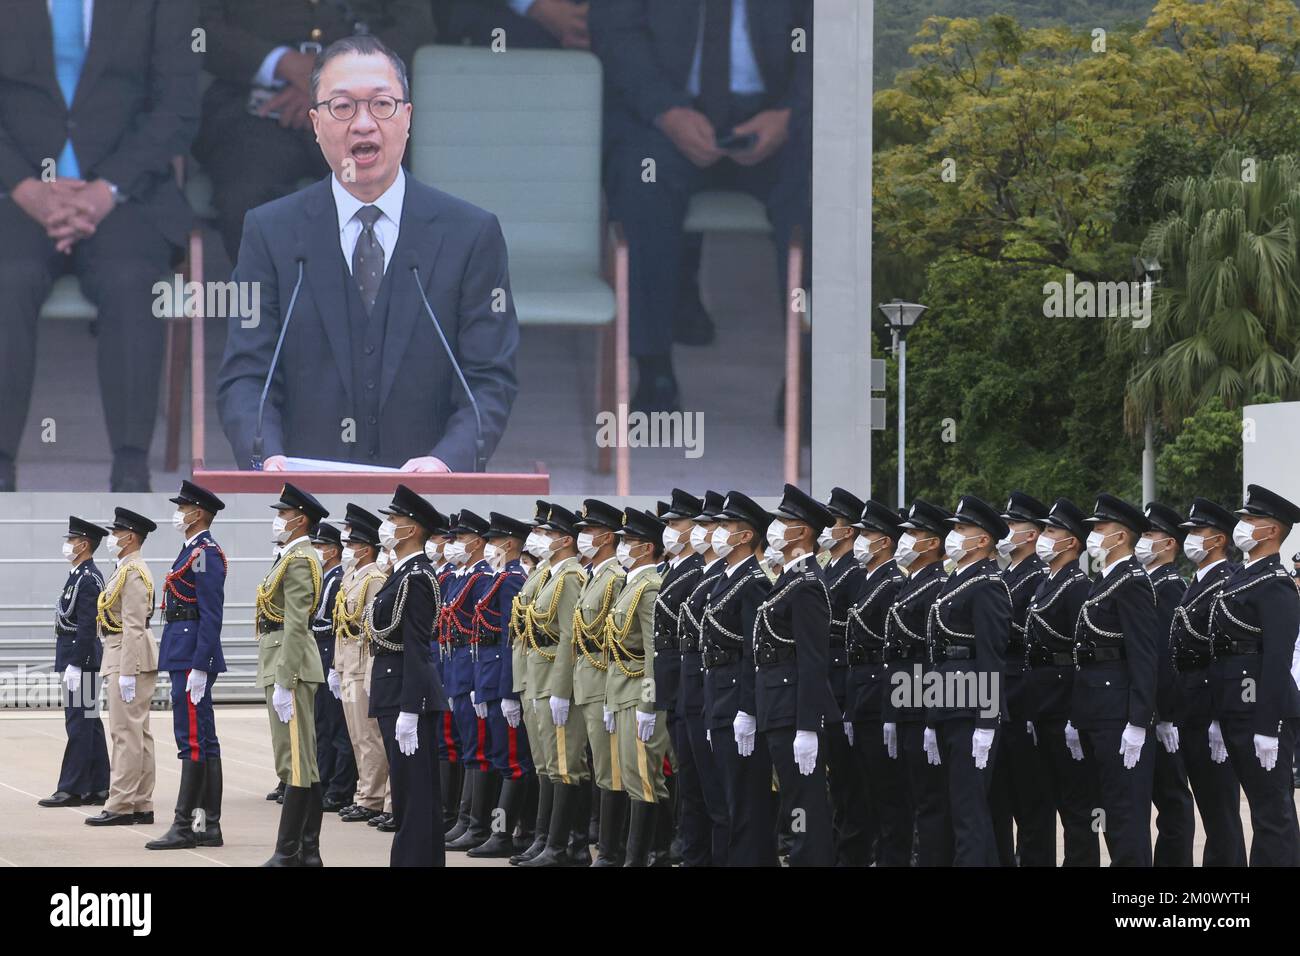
1271 457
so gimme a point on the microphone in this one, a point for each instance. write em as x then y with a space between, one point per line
480 460
256 460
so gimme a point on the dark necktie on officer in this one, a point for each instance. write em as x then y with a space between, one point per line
715 64
368 257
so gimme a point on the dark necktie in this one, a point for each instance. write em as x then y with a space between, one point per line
368 257
715 64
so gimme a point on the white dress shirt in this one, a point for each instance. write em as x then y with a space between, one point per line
387 226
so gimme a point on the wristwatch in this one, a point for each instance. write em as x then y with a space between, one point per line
119 197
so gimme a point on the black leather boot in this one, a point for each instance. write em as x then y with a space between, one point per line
502 843
466 802
311 827
483 800
212 787
542 821
640 833
613 811
661 854
580 840
448 786
564 802
181 835
293 817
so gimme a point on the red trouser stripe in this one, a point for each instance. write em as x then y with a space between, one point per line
481 754
194 721
512 752
448 737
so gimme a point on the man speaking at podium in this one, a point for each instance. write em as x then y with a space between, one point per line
354 367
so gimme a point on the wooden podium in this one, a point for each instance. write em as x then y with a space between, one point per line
374 482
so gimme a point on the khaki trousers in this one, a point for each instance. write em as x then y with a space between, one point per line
604 745
130 787
642 762
367 745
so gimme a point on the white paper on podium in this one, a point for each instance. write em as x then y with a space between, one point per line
322 464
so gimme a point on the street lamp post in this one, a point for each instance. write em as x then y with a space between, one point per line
901 317
1149 270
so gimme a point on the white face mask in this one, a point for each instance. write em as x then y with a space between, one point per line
349 558
673 542
433 550
1145 551
454 551
700 539
492 555
1008 544
535 545
383 561
906 552
955 546
864 550
179 521
719 540
320 554
624 554
1194 548
1243 536
1095 541
1045 547
827 540
114 545
280 529
773 556
587 544
776 534
69 553
388 534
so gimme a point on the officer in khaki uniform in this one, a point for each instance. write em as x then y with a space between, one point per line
350 677
289 669
596 526
131 662
630 689
521 660
548 628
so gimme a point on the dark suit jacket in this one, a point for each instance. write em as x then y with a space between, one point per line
972 610
406 680
461 255
1113 693
794 690
647 48
79 646
136 105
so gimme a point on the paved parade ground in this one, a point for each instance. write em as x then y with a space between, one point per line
31 747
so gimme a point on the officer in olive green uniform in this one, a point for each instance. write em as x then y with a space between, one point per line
548 629
630 689
289 668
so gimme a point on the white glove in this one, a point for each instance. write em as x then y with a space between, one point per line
408 733
72 678
891 740
513 712
1266 751
451 703
282 701
645 726
1218 749
1072 741
848 731
1167 734
1032 731
805 751
1130 745
981 743
931 744
126 687
608 716
708 738
480 708
559 710
744 727
335 681
196 685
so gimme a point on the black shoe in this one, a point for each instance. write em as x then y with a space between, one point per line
293 817
130 473
389 825
359 815
640 833
107 819
613 809
143 816
96 799
348 809
501 844
61 798
211 803
656 393
331 804
545 796
311 828
377 819
278 793
181 836
564 803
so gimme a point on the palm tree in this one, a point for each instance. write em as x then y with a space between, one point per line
1226 320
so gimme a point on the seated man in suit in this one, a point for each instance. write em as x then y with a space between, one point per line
256 141
527 24
94 105
719 94
362 375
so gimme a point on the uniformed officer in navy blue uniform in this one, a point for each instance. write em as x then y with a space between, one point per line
1117 649
1254 622
193 606
884 779
1188 705
967 632
727 643
904 732
850 811
1050 623
83 778
792 637
338 768
506 746
406 695
705 784
1175 814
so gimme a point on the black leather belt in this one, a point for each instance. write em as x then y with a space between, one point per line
174 614
958 652
773 655
666 643
717 657
1101 655
266 627
866 655
898 655
1039 658
1190 660
1238 648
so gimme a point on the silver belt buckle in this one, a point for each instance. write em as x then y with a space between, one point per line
310 46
